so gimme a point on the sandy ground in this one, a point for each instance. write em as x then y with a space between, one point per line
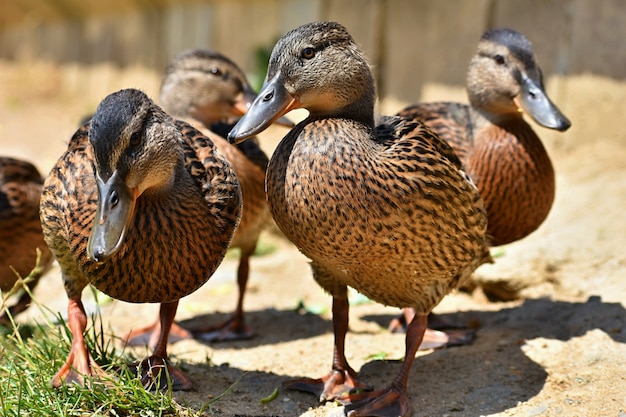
557 349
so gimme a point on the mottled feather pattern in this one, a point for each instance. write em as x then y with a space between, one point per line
517 182
413 209
507 162
177 238
20 229
250 148
451 121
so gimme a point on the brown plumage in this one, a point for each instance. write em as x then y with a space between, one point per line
386 210
206 89
204 86
20 229
499 150
143 207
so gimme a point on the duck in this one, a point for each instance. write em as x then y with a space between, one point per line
207 89
499 150
380 205
20 231
143 207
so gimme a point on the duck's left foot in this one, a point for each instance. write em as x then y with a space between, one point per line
388 402
148 336
232 329
157 374
439 334
436 339
330 387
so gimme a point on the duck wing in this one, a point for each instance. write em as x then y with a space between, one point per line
212 172
451 121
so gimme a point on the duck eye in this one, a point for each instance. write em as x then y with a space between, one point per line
216 71
135 139
499 59
308 53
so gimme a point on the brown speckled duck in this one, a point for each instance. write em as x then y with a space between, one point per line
206 89
499 150
142 207
20 229
386 210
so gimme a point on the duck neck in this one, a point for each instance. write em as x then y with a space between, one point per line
482 116
360 110
174 182
506 137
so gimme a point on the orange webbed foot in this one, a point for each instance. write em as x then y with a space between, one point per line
157 373
389 402
330 387
231 329
78 369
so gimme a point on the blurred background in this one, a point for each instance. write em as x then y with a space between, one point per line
71 53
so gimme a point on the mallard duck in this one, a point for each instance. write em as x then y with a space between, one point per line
142 207
499 150
20 229
207 89
385 209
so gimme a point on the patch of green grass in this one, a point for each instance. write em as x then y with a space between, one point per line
378 356
28 363
30 355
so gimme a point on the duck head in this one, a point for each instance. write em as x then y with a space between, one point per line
206 86
132 142
318 67
504 79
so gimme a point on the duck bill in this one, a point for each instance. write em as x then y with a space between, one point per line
534 101
243 104
273 102
116 205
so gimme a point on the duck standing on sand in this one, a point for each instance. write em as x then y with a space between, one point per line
20 230
207 89
386 210
499 150
142 207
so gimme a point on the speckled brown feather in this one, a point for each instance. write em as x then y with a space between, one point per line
20 228
177 238
206 89
393 219
200 86
507 162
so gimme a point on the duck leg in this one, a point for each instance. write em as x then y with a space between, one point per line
234 328
79 362
151 368
391 401
439 333
342 379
